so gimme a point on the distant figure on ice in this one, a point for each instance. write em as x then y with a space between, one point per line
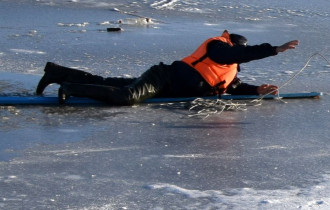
212 69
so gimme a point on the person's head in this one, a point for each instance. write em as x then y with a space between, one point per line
237 39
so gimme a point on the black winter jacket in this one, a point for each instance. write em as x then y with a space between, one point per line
223 53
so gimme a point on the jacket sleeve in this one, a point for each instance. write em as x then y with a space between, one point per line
239 88
223 53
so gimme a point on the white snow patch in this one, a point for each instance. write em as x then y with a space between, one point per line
74 177
25 51
247 198
84 24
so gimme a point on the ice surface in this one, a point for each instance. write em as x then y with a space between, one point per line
272 156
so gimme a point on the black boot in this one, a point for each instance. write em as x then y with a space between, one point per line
59 74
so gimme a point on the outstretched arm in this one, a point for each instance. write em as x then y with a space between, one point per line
223 53
272 89
245 89
287 46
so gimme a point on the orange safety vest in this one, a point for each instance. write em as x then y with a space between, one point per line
217 75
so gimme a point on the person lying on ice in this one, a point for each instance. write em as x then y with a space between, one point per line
212 69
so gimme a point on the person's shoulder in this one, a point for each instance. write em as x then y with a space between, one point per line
217 43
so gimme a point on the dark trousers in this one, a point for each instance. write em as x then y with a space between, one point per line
161 80
123 91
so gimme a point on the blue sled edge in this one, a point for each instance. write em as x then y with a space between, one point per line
281 95
53 100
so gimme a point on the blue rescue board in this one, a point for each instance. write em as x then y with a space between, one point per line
281 95
53 100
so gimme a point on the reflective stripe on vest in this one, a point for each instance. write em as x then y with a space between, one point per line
217 75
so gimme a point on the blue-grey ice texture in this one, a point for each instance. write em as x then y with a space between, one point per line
273 156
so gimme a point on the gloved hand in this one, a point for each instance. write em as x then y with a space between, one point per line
267 88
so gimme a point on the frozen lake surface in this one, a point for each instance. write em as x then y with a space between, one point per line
155 156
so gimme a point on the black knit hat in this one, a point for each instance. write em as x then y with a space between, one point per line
237 39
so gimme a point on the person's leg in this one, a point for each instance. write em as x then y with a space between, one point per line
150 84
117 81
58 74
117 96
